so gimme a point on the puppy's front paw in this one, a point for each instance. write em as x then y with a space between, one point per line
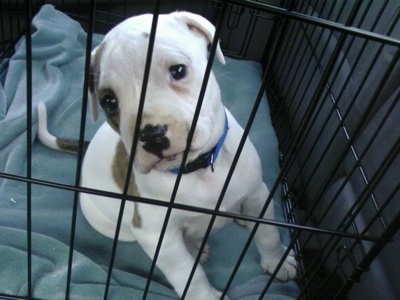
194 248
287 270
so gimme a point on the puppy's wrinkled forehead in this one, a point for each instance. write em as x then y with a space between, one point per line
128 43
118 63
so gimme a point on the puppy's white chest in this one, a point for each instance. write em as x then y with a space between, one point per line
202 189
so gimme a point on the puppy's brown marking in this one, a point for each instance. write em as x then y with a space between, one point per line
69 145
119 170
95 71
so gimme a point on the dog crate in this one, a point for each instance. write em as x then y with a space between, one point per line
329 82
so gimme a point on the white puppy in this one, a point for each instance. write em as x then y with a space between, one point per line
178 65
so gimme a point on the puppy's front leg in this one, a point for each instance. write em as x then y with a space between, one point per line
174 259
267 237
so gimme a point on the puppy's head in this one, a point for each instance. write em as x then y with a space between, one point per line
177 69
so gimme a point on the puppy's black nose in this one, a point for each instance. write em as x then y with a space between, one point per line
154 138
152 133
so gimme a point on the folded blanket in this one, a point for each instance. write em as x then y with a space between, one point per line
58 68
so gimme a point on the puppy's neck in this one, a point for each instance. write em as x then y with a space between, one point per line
206 159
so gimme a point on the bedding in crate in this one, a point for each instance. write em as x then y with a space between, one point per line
58 69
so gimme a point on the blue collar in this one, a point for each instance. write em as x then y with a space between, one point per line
206 159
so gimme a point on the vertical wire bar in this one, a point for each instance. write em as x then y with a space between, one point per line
383 207
290 43
184 157
276 39
230 173
28 35
140 113
291 37
133 148
302 76
268 201
308 84
81 145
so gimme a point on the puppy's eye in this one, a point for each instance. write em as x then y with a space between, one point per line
110 103
178 72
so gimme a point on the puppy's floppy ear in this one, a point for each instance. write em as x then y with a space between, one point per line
202 25
94 78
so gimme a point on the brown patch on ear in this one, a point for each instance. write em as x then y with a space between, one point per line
95 69
94 78
119 171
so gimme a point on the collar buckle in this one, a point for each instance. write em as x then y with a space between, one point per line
212 162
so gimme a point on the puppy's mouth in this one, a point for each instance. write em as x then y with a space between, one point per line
146 161
161 145
155 141
157 151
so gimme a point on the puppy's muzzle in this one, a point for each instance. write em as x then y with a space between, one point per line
154 138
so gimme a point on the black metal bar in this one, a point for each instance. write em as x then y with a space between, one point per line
213 216
185 156
291 38
184 207
124 195
81 145
257 223
137 128
312 58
